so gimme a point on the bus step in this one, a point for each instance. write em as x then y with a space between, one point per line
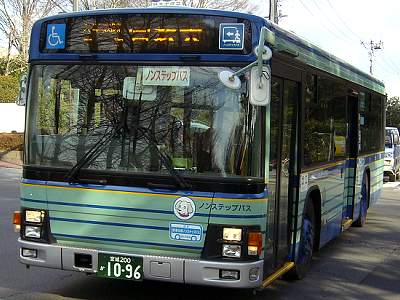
346 224
270 279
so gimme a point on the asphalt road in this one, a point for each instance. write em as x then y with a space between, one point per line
363 263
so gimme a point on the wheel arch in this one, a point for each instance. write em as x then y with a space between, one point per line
314 195
367 172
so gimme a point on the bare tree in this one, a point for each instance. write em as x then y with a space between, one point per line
234 5
17 18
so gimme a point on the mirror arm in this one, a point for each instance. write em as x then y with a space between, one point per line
261 50
243 70
265 36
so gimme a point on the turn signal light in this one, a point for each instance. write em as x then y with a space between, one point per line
17 218
17 221
254 242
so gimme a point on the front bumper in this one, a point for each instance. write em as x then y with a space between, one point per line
388 169
181 270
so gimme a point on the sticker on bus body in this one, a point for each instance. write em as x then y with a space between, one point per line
304 182
166 76
185 232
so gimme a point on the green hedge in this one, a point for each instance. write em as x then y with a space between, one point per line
9 86
11 142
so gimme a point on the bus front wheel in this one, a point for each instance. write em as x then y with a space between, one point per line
306 247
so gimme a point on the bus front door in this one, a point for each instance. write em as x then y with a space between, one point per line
352 145
282 163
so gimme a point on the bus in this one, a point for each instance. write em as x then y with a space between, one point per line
193 146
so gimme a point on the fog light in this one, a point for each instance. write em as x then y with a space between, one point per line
233 251
32 232
254 274
229 274
34 216
29 252
232 234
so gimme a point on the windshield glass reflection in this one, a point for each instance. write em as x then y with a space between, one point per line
201 126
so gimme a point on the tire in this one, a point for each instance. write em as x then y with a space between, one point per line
364 203
307 242
392 177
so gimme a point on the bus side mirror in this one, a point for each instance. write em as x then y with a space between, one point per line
260 80
260 86
22 94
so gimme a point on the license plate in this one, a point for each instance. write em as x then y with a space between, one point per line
121 267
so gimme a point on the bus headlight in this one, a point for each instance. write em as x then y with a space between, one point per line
34 216
388 162
33 232
232 251
232 234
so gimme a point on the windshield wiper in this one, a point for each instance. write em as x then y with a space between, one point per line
90 155
165 160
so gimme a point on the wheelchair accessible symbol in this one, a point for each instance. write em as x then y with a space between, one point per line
55 36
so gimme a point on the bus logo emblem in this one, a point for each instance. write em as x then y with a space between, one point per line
55 36
184 208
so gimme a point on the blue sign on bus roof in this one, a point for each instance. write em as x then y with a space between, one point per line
55 38
231 36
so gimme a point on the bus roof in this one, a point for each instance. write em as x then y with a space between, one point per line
167 9
315 56
287 42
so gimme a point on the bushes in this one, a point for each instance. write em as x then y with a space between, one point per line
9 86
11 141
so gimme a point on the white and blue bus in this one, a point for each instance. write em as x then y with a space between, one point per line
194 146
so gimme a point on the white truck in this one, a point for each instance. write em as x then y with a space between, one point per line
392 153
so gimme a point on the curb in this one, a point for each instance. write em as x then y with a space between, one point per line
9 165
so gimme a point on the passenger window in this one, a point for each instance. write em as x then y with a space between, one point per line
371 122
325 120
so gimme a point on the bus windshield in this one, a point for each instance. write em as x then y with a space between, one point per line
202 127
388 139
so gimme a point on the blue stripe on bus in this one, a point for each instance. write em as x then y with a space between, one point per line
149 191
335 186
242 196
350 163
333 208
238 216
123 241
120 188
333 198
374 157
141 209
108 223
104 206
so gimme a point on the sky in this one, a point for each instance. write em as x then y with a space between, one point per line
339 26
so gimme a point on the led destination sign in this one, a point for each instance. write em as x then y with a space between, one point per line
144 33
158 35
